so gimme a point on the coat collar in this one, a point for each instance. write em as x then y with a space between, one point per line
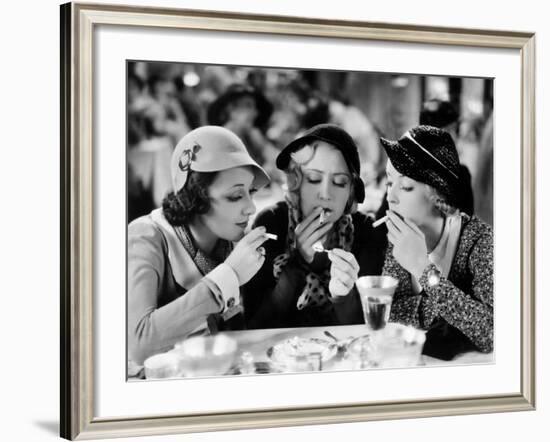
185 271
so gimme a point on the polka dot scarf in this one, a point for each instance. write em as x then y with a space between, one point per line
316 291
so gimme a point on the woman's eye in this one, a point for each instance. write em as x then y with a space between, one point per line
341 183
253 191
235 197
312 180
406 188
389 184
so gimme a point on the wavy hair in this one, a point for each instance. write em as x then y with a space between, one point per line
191 200
295 176
441 203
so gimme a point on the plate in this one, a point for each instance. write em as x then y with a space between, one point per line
296 348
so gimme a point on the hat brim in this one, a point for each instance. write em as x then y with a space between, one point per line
236 159
412 167
264 107
283 159
400 158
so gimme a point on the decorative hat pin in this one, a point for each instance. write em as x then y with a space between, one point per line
184 164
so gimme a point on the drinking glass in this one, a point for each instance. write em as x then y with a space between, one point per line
376 293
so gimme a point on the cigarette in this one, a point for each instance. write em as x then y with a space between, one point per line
271 236
322 217
380 221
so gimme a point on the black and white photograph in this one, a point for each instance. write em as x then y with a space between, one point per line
287 221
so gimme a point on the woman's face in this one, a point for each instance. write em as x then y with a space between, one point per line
326 182
409 198
231 203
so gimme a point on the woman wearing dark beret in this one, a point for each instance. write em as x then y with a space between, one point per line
323 244
442 257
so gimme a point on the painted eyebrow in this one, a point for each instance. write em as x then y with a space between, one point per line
239 186
322 172
399 175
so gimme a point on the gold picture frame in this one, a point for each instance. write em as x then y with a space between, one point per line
78 22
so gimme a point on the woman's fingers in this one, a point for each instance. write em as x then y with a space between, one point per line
346 275
392 238
308 221
348 257
343 265
402 223
257 242
254 234
312 228
341 282
317 235
396 220
392 228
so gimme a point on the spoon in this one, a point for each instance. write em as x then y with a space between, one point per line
330 335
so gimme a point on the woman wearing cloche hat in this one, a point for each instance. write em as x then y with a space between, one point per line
182 264
442 257
323 244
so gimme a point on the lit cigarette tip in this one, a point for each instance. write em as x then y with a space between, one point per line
380 221
318 246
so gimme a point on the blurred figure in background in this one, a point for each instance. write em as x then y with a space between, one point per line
442 114
245 111
483 181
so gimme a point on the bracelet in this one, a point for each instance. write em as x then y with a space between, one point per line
431 276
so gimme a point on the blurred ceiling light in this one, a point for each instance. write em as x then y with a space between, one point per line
475 107
191 79
399 81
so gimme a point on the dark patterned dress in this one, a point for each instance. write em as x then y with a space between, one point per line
457 312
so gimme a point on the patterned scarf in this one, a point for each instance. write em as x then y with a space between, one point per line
205 263
315 292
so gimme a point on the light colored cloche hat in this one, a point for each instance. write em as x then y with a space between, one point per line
211 149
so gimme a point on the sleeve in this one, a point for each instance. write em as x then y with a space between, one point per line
153 329
224 284
471 313
405 303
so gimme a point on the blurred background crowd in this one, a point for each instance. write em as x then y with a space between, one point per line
268 108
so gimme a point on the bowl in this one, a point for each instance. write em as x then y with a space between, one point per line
161 366
201 356
398 345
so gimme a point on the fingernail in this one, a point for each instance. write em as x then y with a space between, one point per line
262 228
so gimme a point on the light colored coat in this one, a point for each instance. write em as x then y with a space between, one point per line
168 297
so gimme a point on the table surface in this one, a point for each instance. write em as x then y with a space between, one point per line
257 342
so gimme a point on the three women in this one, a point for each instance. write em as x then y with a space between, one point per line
184 267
